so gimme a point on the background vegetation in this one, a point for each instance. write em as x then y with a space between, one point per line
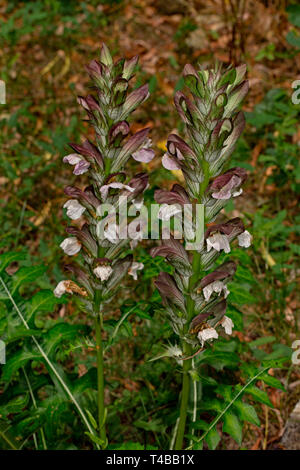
44 47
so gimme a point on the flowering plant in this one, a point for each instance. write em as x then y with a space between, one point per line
96 234
194 300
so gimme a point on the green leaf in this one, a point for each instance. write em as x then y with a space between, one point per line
233 426
212 438
15 362
43 300
246 412
294 14
272 381
261 341
6 436
7 258
219 359
259 395
15 405
92 419
154 425
62 332
27 274
293 39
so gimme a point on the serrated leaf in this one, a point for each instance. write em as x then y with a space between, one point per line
15 362
233 426
26 274
15 405
246 412
43 300
7 258
62 332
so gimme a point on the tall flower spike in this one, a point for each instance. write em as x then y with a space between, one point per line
104 265
194 299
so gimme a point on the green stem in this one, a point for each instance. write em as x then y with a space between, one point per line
100 379
187 365
35 406
184 399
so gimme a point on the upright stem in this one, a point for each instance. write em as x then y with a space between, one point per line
100 379
184 399
187 364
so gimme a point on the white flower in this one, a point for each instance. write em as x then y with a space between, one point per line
245 239
71 246
135 267
216 286
206 334
227 324
70 287
218 242
104 189
74 209
167 211
60 289
72 158
103 272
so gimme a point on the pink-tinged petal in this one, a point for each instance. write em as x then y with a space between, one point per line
169 163
222 194
144 155
81 167
72 158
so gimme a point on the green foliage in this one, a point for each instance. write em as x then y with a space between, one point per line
36 393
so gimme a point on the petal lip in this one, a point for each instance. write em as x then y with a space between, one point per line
170 163
144 155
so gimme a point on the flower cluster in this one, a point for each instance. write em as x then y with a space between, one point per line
103 266
195 300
